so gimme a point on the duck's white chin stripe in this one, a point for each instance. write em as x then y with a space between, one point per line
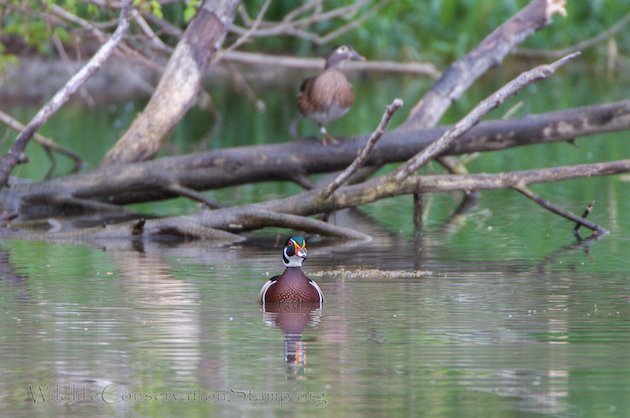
294 262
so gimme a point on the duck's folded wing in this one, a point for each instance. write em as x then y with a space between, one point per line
266 287
321 294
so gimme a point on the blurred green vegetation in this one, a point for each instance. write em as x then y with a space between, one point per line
440 31
429 30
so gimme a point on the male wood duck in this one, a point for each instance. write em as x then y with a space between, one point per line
328 96
292 285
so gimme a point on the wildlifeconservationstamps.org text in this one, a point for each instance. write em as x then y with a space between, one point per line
113 394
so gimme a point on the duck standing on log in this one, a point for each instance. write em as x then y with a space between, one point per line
329 96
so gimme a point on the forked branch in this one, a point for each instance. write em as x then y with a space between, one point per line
16 154
489 53
474 116
524 190
343 177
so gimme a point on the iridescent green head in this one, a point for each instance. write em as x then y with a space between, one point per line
294 252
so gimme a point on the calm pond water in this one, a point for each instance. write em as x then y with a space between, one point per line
499 313
158 331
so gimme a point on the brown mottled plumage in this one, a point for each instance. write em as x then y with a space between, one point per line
328 96
292 286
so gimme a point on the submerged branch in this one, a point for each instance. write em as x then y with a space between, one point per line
587 211
205 224
262 218
524 190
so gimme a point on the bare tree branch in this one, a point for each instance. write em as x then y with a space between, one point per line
350 26
489 53
524 190
179 85
16 153
343 177
192 194
473 117
247 35
154 39
307 203
102 37
292 15
244 218
256 59
580 46
47 143
301 223
291 25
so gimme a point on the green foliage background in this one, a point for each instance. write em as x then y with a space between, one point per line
429 30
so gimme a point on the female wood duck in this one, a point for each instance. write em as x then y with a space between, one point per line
328 96
292 285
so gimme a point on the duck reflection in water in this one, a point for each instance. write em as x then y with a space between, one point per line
293 318
292 301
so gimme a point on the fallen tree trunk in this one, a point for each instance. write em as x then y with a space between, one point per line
304 204
222 224
155 180
179 85
488 54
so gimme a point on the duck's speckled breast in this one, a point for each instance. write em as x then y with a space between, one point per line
292 286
